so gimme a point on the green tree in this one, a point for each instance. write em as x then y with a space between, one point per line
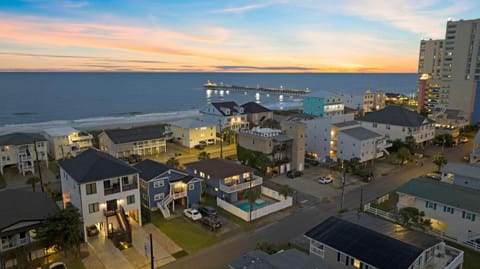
173 162
285 190
204 155
403 154
410 143
33 180
62 230
252 195
413 216
440 161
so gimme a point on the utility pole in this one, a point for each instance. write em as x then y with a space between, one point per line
361 199
343 187
152 266
38 166
221 138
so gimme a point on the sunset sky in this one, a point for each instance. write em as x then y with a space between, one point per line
221 36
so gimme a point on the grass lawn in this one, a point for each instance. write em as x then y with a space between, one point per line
471 258
185 233
389 205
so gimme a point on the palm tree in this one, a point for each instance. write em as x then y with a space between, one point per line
33 180
285 190
173 162
204 155
440 161
252 196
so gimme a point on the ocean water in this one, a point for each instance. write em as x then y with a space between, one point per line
33 98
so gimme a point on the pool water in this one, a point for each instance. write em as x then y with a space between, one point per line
259 203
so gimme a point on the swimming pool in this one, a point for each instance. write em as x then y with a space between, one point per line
259 203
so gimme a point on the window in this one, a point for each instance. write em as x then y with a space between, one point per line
317 248
356 263
342 258
448 209
125 181
91 188
388 126
158 197
432 205
374 125
92 208
145 196
468 216
191 187
130 199
202 174
246 175
158 183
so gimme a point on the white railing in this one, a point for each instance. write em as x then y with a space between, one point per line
241 186
457 261
472 244
380 213
177 195
272 208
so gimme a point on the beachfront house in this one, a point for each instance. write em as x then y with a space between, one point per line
22 150
396 122
225 115
22 213
190 132
66 142
257 113
161 187
454 210
362 241
105 190
147 140
324 105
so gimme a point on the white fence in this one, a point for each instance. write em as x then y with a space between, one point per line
260 212
381 213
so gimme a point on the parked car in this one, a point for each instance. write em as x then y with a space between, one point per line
208 211
134 158
192 214
199 146
312 161
211 141
212 223
92 230
57 265
463 139
294 173
325 180
436 176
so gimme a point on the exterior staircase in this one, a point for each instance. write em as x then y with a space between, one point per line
163 206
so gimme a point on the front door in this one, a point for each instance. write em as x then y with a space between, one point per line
112 205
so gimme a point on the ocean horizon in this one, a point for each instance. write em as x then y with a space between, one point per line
82 98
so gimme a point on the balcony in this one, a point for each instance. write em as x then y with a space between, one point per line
14 243
127 187
178 195
112 190
241 186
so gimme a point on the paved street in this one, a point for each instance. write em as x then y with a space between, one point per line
312 213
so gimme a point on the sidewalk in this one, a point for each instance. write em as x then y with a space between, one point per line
106 254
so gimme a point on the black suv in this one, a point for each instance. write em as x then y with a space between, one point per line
294 174
212 223
208 211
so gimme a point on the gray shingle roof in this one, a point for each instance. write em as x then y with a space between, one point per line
17 206
367 245
92 165
150 169
346 123
396 115
252 107
230 105
360 133
219 168
18 139
120 136
290 258
462 169
191 123
442 192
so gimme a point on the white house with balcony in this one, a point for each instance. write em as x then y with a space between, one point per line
360 143
454 210
225 114
229 182
190 132
22 150
67 142
396 122
104 188
22 213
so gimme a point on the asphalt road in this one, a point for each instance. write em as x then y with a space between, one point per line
295 225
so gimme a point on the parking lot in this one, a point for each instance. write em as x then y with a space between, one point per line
308 182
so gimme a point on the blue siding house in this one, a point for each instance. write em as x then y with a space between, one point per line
161 187
225 179
323 106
